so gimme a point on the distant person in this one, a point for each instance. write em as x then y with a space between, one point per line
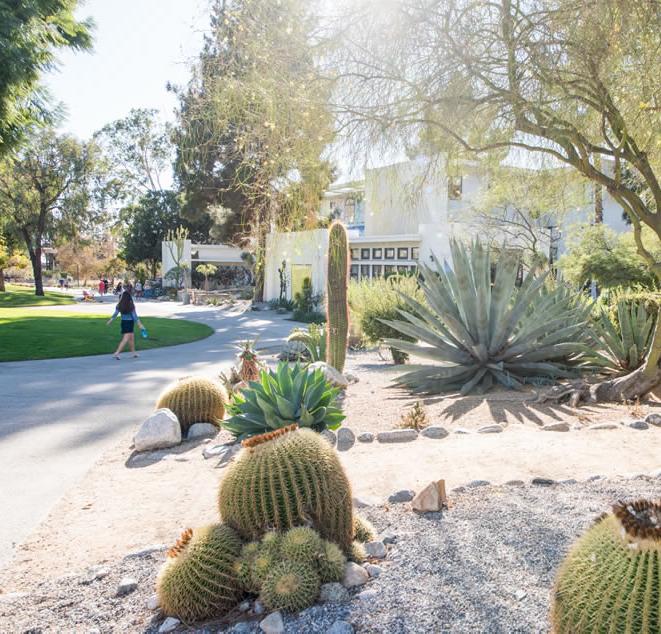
118 290
138 289
106 285
66 284
61 283
102 288
126 308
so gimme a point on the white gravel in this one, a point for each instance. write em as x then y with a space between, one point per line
486 565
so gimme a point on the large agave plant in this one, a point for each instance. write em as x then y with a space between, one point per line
282 397
479 333
623 348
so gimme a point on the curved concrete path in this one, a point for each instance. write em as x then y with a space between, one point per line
59 415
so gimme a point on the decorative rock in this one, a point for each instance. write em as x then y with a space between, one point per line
598 426
258 608
333 593
168 625
375 549
474 484
401 496
637 424
126 586
397 435
200 430
544 482
335 378
244 606
160 431
367 595
148 550
458 489
94 574
354 575
272 624
224 452
568 481
594 478
373 570
362 503
340 627
352 378
388 538
653 419
515 483
461 430
559 426
292 351
490 429
152 602
428 500
520 595
329 436
434 431
366 436
345 439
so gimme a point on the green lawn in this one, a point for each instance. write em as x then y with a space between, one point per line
24 296
34 334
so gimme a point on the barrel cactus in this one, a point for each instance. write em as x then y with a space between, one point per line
611 579
198 579
194 400
286 478
301 543
291 586
331 562
363 531
337 305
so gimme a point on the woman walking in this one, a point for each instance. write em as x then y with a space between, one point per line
126 308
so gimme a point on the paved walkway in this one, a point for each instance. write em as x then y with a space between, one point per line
60 415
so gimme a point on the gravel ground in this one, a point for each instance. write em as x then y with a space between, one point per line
486 565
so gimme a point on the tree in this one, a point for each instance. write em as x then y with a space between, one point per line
31 33
206 270
564 79
46 192
88 259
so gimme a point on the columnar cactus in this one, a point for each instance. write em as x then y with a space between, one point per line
611 579
286 478
337 306
198 579
194 400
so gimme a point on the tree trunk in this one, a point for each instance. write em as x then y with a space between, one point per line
35 259
629 387
2 281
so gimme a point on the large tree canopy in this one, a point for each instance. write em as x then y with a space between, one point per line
30 35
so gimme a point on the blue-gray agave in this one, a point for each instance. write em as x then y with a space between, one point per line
478 333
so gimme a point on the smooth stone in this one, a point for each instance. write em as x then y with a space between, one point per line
397 435
225 452
399 497
490 429
366 436
340 627
244 606
168 625
272 624
434 431
375 549
428 500
637 424
152 602
335 378
95 573
352 378
568 481
258 608
653 419
333 593
461 430
373 570
594 478
598 426
515 483
202 430
367 595
520 595
559 426
474 484
354 575
345 439
126 586
389 538
362 503
330 436
160 431
540 481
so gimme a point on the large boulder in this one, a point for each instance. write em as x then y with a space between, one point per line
160 431
335 378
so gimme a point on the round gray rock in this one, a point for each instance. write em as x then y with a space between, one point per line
375 549
397 435
637 424
354 575
333 593
366 436
402 496
345 439
202 430
272 624
490 429
434 431
559 426
653 419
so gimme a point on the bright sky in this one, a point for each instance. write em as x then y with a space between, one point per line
139 45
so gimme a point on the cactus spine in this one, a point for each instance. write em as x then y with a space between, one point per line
337 305
198 580
611 579
287 478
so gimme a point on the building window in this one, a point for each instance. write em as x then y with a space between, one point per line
415 253
455 187
353 274
364 271
403 253
389 269
364 254
355 254
377 254
403 269
377 270
390 253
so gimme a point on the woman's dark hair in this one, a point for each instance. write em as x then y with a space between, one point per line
125 304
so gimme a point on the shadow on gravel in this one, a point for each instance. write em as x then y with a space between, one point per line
141 459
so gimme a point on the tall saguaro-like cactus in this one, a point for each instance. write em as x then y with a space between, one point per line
337 306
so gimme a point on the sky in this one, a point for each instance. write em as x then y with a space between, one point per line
139 46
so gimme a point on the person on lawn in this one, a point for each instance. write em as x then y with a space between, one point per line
126 308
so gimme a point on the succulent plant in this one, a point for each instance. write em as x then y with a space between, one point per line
363 531
287 478
479 334
301 543
249 364
415 418
260 566
291 586
282 397
198 580
331 562
314 340
337 305
611 579
194 400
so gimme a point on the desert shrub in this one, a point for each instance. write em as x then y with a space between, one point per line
306 304
609 300
415 418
